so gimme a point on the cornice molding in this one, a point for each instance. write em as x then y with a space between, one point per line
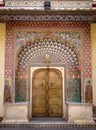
90 18
65 10
55 4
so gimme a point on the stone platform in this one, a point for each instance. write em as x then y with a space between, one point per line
47 123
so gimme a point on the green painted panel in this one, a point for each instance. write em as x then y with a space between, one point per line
20 89
74 89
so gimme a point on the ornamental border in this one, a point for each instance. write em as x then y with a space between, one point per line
4 18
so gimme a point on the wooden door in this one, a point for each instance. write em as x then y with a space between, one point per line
47 93
55 93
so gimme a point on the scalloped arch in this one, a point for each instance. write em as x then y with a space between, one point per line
58 50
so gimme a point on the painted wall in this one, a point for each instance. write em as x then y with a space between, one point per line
20 30
93 42
2 64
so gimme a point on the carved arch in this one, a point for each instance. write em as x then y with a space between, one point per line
60 51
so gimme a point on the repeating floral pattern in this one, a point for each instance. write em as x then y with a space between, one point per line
74 85
20 84
72 37
34 52
20 90
23 36
93 37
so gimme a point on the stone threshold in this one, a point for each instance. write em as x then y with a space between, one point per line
47 124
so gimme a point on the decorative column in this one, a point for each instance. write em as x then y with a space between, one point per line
2 64
93 44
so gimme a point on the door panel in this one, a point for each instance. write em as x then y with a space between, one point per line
55 93
39 112
47 93
39 107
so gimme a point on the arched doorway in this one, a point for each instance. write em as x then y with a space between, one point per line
32 55
47 93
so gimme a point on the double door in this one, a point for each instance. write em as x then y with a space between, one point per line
47 93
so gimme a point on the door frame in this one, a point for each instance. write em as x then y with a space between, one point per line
62 69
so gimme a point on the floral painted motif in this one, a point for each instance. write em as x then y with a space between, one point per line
72 37
74 89
23 37
20 91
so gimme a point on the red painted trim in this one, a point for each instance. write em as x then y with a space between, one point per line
2 5
94 5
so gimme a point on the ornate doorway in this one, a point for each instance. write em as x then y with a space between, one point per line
47 93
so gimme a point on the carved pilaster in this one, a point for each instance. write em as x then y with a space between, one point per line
94 113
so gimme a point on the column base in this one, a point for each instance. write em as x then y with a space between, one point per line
15 113
80 113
